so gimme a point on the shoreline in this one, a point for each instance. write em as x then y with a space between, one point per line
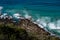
5 18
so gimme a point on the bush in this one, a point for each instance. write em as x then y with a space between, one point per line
8 33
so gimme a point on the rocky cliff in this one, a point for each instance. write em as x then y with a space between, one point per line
31 28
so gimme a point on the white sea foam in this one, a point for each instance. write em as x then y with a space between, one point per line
16 15
3 16
52 25
58 24
10 17
43 21
1 7
27 16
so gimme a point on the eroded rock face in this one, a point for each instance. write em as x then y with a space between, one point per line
31 27
36 31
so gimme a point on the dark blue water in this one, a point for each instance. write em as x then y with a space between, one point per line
50 7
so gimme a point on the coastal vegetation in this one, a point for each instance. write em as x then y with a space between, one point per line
14 31
9 32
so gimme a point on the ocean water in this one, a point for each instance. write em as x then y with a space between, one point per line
46 13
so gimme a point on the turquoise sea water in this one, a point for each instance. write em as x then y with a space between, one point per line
45 12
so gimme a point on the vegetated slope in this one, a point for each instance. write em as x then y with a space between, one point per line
23 30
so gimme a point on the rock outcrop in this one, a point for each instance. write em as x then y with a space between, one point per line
31 28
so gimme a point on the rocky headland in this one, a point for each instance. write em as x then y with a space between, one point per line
33 31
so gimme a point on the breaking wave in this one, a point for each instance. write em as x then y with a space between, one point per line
50 24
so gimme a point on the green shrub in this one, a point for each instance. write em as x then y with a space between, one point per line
10 33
